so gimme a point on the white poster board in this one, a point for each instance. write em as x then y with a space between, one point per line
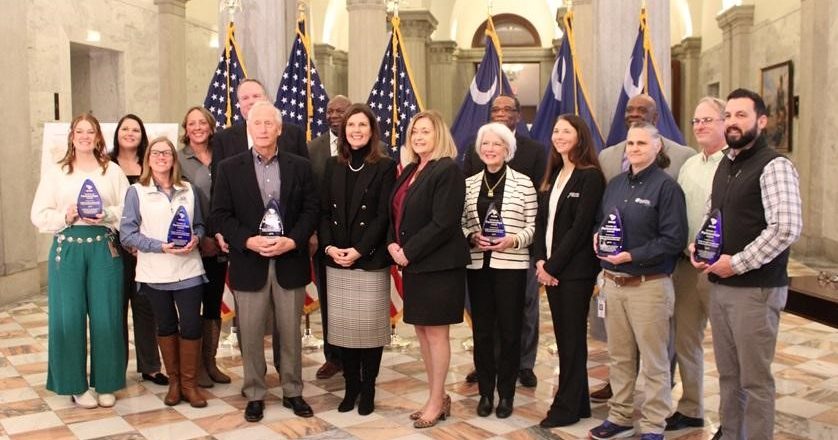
54 145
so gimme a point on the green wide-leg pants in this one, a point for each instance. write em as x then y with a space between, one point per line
85 282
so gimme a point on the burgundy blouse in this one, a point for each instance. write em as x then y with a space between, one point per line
398 204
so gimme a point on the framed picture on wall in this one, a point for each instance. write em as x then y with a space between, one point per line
776 88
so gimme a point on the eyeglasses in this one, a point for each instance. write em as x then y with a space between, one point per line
704 121
157 153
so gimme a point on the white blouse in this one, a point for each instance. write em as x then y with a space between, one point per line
57 190
552 206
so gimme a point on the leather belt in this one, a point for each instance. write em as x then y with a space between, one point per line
632 281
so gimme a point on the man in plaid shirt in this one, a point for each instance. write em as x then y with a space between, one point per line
757 191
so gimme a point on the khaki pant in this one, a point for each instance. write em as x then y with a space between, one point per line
692 307
745 321
255 310
637 318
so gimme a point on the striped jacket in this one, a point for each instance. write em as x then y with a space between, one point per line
518 209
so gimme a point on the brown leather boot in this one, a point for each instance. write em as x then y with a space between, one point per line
171 359
190 352
212 333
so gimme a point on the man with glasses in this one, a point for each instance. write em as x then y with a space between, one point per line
530 159
692 289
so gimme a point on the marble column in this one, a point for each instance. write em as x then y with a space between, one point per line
265 31
171 46
19 275
416 28
815 78
331 63
688 52
442 67
736 23
615 26
367 40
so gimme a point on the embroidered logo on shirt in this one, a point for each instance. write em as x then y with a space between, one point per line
573 194
644 202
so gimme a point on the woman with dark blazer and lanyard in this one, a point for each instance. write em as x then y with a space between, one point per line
497 275
426 240
565 262
353 229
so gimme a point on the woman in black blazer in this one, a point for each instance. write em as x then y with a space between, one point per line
565 262
425 239
355 195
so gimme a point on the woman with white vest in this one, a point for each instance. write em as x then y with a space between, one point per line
497 275
172 276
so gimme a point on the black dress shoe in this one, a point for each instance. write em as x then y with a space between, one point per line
298 405
254 411
504 408
718 434
527 378
471 377
679 421
485 406
158 378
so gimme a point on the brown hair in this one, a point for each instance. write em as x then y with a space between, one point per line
174 173
582 156
345 150
99 150
184 139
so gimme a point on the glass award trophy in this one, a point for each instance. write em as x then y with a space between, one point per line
610 234
493 223
708 241
180 230
89 202
271 225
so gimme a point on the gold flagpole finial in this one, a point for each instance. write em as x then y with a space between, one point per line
231 6
489 7
301 10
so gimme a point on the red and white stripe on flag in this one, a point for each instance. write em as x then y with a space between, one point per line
228 303
312 301
396 296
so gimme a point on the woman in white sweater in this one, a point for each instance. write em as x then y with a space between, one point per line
497 275
84 268
169 268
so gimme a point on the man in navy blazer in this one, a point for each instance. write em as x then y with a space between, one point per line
267 274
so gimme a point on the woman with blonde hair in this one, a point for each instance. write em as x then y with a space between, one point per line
426 240
169 268
84 267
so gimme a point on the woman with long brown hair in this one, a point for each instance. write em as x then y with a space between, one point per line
84 267
565 262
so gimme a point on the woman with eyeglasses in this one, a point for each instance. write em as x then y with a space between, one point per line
169 268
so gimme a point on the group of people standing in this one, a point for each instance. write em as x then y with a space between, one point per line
350 212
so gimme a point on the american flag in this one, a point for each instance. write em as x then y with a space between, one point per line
393 98
301 96
221 98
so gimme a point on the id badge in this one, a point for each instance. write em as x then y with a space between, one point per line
600 305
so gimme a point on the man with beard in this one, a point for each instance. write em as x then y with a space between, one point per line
757 191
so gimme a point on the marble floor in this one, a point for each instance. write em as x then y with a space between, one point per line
806 369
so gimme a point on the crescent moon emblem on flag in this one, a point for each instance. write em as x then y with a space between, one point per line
556 79
481 97
628 83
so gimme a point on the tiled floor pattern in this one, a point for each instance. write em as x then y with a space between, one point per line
806 369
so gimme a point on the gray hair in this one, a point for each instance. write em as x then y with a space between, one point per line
714 102
259 104
501 131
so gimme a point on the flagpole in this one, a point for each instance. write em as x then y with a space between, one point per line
395 20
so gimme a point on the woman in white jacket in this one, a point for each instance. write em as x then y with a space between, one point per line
170 273
497 275
84 268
